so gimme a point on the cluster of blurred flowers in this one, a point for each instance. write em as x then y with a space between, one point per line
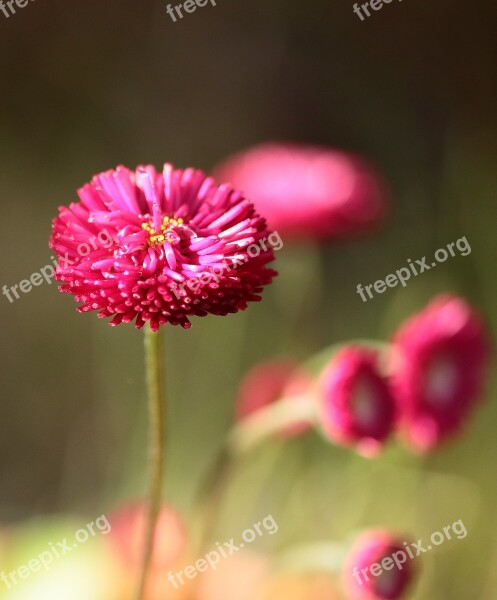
424 384
108 568
174 226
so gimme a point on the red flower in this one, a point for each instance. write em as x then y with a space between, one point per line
439 358
269 382
161 247
379 567
357 408
308 191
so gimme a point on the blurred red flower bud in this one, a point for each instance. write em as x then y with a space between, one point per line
308 191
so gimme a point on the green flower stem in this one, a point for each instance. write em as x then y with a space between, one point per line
157 432
210 499
322 556
270 420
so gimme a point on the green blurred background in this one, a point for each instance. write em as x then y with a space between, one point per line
87 86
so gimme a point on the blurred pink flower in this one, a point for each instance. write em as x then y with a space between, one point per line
125 547
136 235
370 571
308 191
269 382
438 362
126 537
356 407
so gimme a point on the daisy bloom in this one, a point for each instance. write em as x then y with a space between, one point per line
378 567
356 406
160 247
268 382
308 191
439 359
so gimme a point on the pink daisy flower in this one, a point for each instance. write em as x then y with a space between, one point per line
268 382
438 361
378 567
356 408
308 191
160 247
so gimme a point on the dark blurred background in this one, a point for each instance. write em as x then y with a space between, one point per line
87 86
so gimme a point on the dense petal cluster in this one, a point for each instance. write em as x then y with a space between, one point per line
356 405
136 237
370 571
438 361
308 191
268 382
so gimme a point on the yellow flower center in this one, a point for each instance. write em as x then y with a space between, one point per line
165 233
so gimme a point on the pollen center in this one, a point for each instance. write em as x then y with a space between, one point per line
365 404
166 233
442 381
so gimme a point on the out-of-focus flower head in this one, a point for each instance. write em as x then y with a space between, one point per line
308 191
125 544
127 535
438 361
160 247
356 406
378 567
269 382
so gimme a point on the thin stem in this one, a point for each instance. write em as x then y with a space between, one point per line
270 420
321 556
211 496
157 430
244 436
